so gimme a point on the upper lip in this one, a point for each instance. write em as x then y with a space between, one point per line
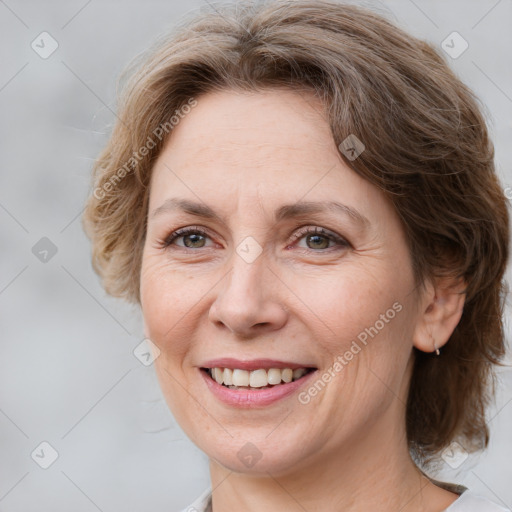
253 364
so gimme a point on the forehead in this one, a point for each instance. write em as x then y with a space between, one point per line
260 149
269 117
250 129
276 136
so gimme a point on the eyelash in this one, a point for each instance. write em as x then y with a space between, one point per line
179 233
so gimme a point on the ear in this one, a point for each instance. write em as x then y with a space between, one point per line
441 309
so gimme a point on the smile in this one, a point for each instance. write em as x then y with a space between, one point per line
254 387
235 378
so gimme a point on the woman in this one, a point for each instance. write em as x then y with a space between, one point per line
302 199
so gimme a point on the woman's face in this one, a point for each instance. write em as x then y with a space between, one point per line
262 284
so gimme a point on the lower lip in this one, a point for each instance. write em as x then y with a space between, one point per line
254 398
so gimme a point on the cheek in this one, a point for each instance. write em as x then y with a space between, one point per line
353 305
167 300
173 305
371 318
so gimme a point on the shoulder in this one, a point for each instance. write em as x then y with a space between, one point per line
472 502
201 504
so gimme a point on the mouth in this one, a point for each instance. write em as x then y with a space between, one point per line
255 383
257 379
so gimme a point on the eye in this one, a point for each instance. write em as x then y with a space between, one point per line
320 238
194 237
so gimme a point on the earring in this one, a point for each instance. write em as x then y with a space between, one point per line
437 351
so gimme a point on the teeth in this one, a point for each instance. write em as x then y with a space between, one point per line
274 376
217 375
298 373
240 377
228 376
258 379
234 378
287 375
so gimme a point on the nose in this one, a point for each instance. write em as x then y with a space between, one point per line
248 302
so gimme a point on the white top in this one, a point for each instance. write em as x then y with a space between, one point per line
467 502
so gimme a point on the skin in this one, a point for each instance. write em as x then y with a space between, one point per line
304 300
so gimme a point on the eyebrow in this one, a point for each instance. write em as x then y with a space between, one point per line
284 212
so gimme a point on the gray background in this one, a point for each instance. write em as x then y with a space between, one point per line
68 375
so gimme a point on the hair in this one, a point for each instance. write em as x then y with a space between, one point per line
426 147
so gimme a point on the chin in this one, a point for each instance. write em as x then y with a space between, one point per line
253 454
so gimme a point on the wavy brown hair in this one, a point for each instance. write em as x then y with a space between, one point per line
427 149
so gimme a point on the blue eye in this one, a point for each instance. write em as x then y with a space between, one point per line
195 238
